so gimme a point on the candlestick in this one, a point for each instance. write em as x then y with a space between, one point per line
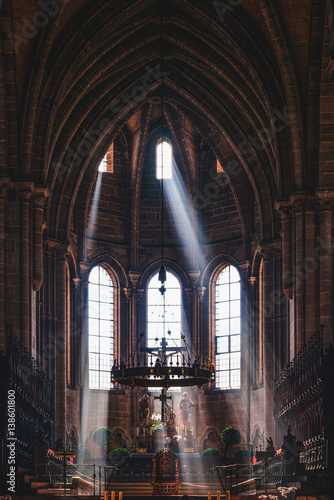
218 495
209 496
137 432
120 496
105 495
228 495
113 495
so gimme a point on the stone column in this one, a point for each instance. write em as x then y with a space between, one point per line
3 196
246 353
25 292
194 330
83 375
76 340
61 336
309 268
134 326
268 361
324 252
286 233
203 329
299 289
39 201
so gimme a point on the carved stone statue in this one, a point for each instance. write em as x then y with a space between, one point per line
171 427
185 412
144 411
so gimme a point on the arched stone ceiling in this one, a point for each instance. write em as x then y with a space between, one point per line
224 78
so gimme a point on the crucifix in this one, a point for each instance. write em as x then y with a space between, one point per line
163 398
162 359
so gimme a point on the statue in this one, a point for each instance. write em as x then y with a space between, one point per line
185 412
144 411
171 427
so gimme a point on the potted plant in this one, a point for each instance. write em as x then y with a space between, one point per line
230 436
119 456
102 436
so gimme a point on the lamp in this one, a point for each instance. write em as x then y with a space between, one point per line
185 370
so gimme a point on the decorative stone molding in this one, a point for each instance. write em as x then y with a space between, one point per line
128 293
76 282
284 208
140 293
134 277
201 292
271 249
194 274
252 281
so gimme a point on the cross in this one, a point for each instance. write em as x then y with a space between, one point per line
163 398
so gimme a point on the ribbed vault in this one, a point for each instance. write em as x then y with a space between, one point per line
104 66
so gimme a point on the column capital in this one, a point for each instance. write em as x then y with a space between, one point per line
40 195
252 281
271 249
134 277
84 269
59 248
25 195
302 202
128 293
76 282
284 208
194 274
325 199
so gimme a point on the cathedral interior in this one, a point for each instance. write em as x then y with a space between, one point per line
150 144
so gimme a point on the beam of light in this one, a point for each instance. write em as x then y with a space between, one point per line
94 206
94 406
94 414
181 209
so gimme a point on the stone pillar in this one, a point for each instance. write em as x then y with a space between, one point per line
286 233
299 290
194 330
25 292
39 201
203 329
309 268
324 252
83 374
3 195
268 361
246 351
61 336
76 340
134 326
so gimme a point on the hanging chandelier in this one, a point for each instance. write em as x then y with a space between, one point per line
164 366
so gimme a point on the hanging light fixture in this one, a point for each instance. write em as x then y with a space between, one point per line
140 370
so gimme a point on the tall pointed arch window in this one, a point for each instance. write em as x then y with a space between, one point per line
100 328
228 329
162 319
164 159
